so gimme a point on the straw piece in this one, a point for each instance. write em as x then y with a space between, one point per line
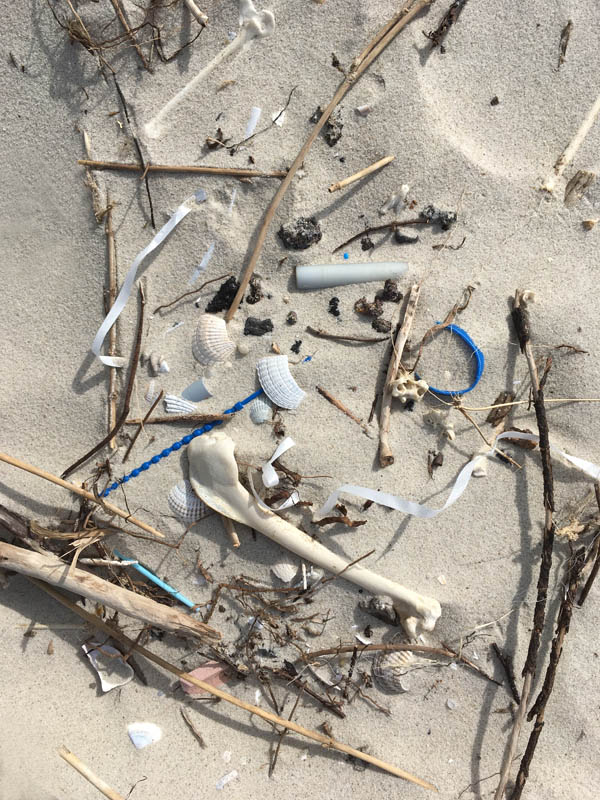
362 174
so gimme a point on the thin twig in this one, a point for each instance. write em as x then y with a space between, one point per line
130 34
383 162
87 773
375 47
386 456
510 673
387 226
141 425
192 727
273 719
128 392
197 169
335 402
187 294
108 507
338 337
281 735
483 436
521 322
180 418
112 336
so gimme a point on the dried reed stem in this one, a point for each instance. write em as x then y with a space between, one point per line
177 169
375 47
108 507
131 36
386 456
273 719
362 174
112 336
87 773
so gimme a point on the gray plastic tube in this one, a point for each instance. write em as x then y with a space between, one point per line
324 276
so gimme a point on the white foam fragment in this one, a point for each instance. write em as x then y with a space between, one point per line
255 113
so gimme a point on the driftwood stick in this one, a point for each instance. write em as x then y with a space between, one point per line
112 336
87 773
520 319
383 162
341 338
375 47
539 707
50 569
201 419
273 719
339 405
197 169
386 456
108 507
142 422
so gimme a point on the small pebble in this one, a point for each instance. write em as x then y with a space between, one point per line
257 327
334 306
295 348
292 318
243 349
301 233
381 325
495 100
452 704
367 243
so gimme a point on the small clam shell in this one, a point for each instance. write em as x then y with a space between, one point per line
211 342
177 405
185 504
260 409
390 669
285 569
277 382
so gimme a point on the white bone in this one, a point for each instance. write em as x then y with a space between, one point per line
253 25
214 478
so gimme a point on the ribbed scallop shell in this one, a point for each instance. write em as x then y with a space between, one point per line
285 569
177 405
260 409
390 669
277 382
185 504
211 342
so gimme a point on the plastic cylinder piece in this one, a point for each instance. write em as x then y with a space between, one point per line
324 276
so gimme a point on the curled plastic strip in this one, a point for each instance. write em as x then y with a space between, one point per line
269 477
479 360
461 483
287 503
123 296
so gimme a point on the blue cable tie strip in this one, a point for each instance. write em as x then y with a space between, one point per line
480 360
179 444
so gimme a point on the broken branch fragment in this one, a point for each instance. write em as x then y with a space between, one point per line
383 162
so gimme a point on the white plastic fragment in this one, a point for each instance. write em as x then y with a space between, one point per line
222 782
255 113
202 265
196 392
441 579
325 276
270 478
151 393
143 733
452 704
364 110
253 25
112 670
279 117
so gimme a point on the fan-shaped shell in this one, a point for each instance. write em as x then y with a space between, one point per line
390 669
177 405
260 409
277 382
211 342
285 569
185 504
144 733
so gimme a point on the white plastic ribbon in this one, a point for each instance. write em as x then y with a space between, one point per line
464 476
288 503
123 296
269 477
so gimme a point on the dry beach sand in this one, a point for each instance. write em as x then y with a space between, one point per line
480 558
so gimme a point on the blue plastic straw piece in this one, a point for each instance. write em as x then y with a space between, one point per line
155 579
179 444
480 360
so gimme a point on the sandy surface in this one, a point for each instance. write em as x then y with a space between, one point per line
455 150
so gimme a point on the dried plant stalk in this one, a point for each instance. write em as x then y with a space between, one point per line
335 187
87 773
197 169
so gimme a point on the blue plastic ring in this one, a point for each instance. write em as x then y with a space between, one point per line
480 360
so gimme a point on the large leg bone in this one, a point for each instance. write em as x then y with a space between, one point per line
214 477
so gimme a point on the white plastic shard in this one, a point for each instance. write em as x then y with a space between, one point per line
196 392
109 664
325 276
269 477
255 113
277 382
143 733
214 478
253 25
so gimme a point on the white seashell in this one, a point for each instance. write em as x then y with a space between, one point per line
158 364
185 504
243 348
277 382
390 669
364 110
285 570
151 393
260 409
448 431
177 405
108 662
163 367
144 733
211 342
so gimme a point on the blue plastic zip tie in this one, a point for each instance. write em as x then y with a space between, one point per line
462 334
179 444
155 579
